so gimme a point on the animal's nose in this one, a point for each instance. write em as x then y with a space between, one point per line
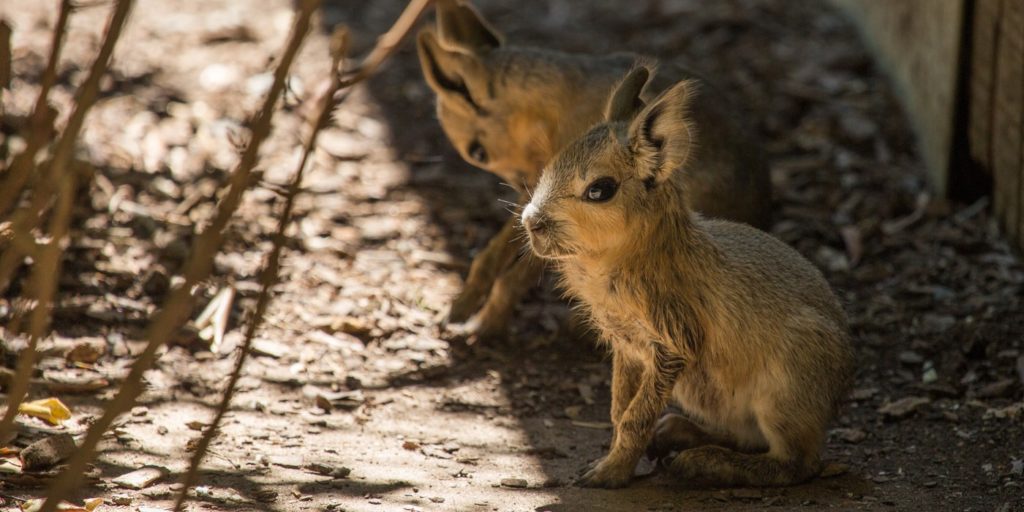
532 219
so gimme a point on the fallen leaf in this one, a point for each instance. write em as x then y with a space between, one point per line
834 469
73 382
515 483
599 425
88 351
270 348
903 407
142 477
850 435
893 226
10 464
50 410
213 321
853 241
37 504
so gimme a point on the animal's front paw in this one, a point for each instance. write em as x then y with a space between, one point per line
466 304
607 474
479 327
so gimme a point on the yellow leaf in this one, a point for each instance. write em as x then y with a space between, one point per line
37 504
50 410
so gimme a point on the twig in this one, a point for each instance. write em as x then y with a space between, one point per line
57 174
386 44
5 55
56 44
179 303
42 287
41 122
268 275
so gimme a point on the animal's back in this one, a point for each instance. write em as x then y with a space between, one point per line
778 342
767 267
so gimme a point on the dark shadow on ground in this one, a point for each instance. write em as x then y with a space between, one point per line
751 49
465 200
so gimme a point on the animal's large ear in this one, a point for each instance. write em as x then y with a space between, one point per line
446 71
625 100
661 135
461 26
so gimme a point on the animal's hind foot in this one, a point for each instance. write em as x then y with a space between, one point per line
675 432
716 466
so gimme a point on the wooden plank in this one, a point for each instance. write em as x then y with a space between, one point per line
1018 230
918 44
981 80
1009 116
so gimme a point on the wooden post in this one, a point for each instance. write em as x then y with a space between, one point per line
1008 114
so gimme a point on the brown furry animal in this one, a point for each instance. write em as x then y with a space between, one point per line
509 109
727 322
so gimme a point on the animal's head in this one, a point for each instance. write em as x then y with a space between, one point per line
603 190
464 63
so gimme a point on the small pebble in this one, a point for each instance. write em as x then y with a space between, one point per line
515 483
48 452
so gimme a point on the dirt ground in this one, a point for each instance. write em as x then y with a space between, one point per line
355 400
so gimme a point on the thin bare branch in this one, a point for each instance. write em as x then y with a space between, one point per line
57 174
178 305
56 44
41 289
268 278
5 55
41 122
386 44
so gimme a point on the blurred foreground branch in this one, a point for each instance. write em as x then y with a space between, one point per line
269 273
40 124
386 45
178 305
56 175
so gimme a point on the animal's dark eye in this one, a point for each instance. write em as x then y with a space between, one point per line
477 152
601 190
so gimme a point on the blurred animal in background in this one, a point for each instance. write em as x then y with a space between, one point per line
509 109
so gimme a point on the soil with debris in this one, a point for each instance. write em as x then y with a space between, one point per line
354 401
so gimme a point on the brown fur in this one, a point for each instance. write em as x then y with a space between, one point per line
522 105
733 326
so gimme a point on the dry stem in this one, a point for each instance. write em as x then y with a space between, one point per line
5 55
24 223
41 122
268 276
178 305
386 44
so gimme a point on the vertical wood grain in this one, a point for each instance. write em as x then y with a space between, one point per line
981 81
1008 107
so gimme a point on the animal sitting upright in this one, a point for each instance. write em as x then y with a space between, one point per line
721 319
509 109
